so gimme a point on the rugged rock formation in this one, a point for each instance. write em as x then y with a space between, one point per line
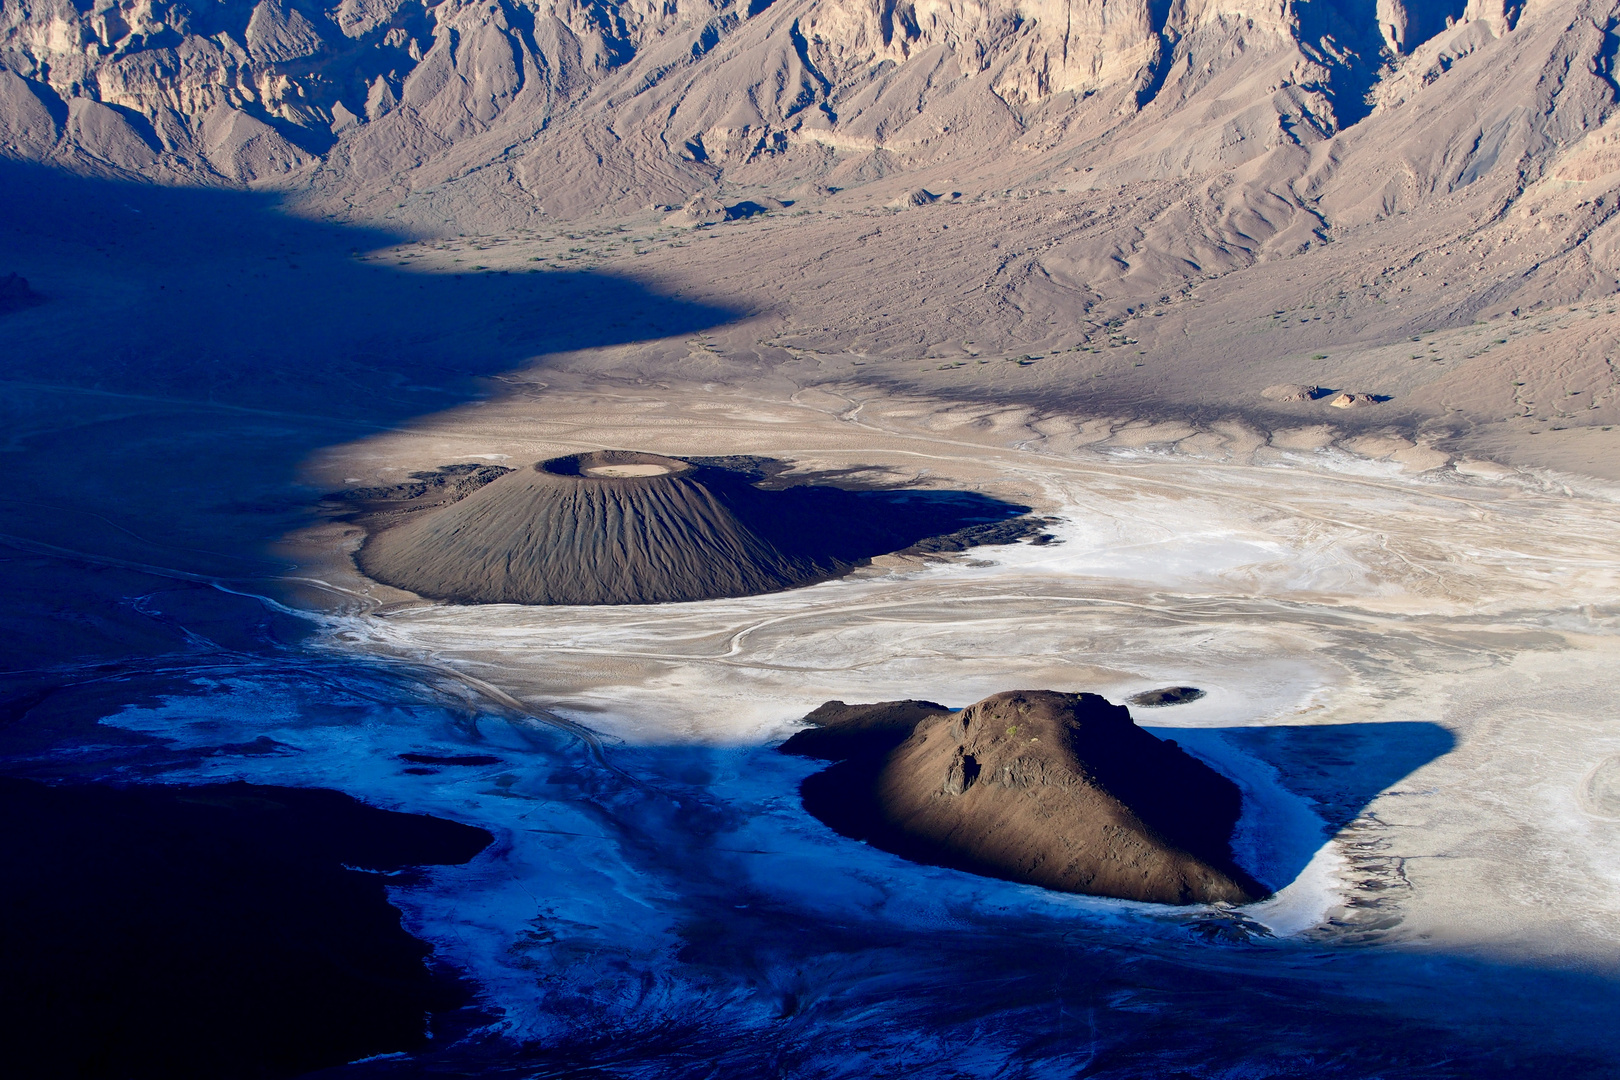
616 527
699 210
1291 392
916 197
371 101
1058 790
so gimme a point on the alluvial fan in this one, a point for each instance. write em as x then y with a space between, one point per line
610 527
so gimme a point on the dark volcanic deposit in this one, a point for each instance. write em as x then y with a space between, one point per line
617 527
1058 790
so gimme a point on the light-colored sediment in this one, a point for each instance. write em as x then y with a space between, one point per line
1311 590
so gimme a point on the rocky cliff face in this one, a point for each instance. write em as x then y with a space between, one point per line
666 95
1242 131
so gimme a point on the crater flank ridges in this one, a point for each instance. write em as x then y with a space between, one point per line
619 527
611 527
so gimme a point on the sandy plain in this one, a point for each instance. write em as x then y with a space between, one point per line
1302 587
1408 674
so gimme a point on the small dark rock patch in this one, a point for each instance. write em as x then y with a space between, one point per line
15 294
426 490
1165 695
450 759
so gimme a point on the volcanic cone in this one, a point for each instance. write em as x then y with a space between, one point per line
611 527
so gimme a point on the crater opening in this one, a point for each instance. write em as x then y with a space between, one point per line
614 465
626 472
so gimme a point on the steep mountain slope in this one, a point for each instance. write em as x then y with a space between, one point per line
1062 170
609 104
1289 121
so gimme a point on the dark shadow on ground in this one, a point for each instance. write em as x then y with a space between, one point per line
791 951
833 516
779 973
194 347
191 350
182 354
1341 767
213 931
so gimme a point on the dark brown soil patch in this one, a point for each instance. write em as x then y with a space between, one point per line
1166 695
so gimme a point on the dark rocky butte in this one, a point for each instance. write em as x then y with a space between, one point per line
1058 790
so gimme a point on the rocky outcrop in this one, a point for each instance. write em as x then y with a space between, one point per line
1292 392
1165 695
265 90
1058 790
699 210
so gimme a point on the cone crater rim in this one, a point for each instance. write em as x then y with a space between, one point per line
614 465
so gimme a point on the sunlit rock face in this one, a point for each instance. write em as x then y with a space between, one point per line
1058 790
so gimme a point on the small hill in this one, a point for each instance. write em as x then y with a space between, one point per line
619 527
604 528
1058 790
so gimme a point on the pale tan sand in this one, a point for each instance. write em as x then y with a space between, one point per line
1297 586
626 471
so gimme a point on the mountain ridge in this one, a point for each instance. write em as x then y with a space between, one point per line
603 107
1179 181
